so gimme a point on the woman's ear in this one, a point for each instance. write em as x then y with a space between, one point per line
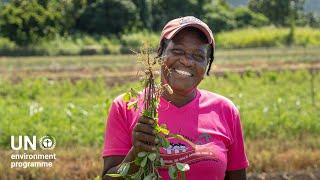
159 51
162 47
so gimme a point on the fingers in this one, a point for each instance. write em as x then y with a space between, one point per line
144 142
146 120
144 147
145 138
144 128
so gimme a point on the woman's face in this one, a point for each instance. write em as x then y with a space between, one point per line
185 61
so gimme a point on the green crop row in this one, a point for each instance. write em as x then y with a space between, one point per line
116 63
81 45
268 37
272 105
89 45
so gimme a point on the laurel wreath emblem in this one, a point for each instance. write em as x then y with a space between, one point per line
43 140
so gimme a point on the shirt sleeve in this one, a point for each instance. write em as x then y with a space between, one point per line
237 158
117 138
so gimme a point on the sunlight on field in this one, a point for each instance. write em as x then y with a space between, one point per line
271 105
118 62
279 109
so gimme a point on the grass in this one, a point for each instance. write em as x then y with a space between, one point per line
117 62
81 44
272 105
265 155
279 111
268 37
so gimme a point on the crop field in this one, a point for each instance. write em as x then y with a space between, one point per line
114 63
276 90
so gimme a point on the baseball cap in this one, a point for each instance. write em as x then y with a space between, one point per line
175 25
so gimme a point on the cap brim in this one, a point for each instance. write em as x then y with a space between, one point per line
201 28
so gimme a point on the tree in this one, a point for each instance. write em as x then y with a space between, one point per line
312 20
108 17
71 11
219 16
163 11
26 22
144 8
278 11
245 17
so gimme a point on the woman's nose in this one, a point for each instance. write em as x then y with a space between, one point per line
186 60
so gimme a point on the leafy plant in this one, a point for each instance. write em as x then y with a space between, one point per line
149 162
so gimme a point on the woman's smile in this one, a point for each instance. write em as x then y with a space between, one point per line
182 73
182 68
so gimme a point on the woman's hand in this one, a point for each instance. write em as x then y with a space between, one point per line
144 136
144 139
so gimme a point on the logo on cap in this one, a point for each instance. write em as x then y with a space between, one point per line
189 19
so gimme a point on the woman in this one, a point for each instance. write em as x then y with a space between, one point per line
208 120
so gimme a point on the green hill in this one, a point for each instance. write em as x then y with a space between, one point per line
310 5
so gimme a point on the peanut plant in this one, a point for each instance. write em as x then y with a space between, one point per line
149 162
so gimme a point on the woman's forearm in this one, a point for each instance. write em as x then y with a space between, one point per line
130 157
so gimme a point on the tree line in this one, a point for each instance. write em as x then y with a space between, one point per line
26 22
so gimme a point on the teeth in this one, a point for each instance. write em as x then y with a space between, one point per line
183 72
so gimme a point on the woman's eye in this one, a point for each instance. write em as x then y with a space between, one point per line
177 51
198 57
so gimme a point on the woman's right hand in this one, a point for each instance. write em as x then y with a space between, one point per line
144 136
144 139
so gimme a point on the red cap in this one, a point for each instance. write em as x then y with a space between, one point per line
175 25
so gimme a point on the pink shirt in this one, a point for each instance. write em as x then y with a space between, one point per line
210 121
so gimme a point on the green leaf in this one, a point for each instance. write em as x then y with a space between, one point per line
155 178
114 175
146 113
173 172
163 130
183 167
150 176
152 156
134 93
138 161
142 154
137 175
164 142
127 97
124 169
183 175
144 162
133 104
162 162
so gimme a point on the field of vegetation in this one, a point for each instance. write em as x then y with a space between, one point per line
268 36
63 62
276 91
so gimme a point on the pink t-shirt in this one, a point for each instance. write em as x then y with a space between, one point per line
210 121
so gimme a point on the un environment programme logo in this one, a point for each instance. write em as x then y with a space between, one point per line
47 142
32 157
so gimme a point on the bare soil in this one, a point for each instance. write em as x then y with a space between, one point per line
127 74
313 174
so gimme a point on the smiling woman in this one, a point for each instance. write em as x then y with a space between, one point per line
208 120
185 63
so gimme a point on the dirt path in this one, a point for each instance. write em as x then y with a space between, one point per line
86 163
313 174
125 74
